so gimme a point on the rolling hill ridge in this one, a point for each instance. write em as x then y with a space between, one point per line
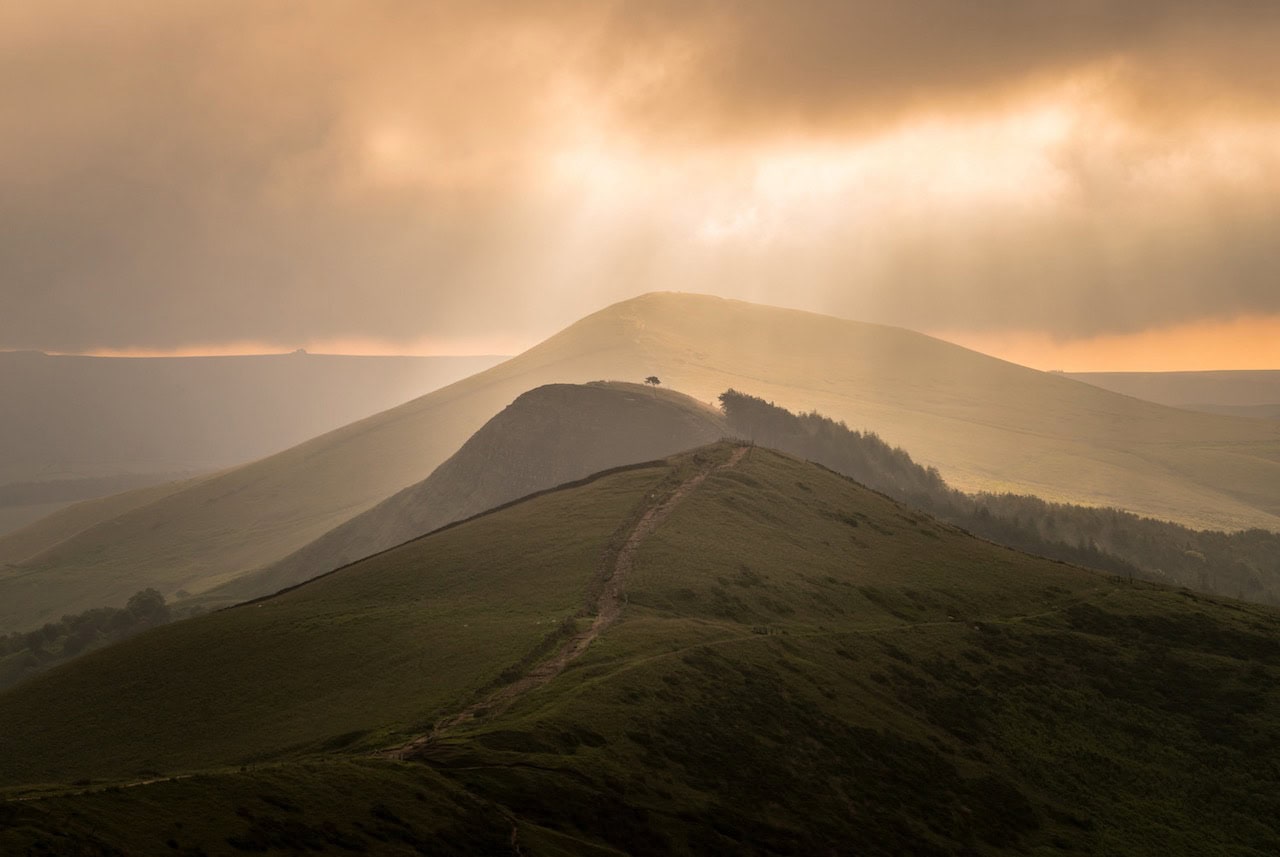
983 423
783 662
549 436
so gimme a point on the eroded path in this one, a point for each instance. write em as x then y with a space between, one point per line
607 608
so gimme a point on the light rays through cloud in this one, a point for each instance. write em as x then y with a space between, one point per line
400 174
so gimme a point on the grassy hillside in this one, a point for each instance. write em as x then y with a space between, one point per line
986 424
25 503
1244 565
547 437
786 662
68 521
84 427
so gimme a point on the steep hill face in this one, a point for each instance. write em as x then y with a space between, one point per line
984 423
81 427
547 437
730 652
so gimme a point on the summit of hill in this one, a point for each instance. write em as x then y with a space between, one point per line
551 435
984 423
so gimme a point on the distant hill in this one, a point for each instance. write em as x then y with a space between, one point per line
1257 412
82 427
547 437
1241 393
1244 564
729 652
984 423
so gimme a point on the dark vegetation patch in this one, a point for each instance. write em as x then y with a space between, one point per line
1193 630
748 763
890 602
345 808
25 654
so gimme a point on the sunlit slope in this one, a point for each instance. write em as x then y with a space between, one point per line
549 436
985 423
799 665
79 427
1223 388
248 517
74 519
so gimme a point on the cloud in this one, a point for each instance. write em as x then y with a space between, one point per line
393 170
768 66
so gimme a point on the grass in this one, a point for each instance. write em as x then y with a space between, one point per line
802 666
345 806
988 425
550 436
380 648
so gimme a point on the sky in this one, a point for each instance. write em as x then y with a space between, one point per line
1071 184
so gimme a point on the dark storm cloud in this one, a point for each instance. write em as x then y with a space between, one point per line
770 65
202 172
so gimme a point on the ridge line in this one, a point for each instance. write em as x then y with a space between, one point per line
608 607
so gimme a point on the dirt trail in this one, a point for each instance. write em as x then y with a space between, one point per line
608 607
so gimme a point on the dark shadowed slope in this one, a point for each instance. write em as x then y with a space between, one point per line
984 423
549 436
787 663
80 427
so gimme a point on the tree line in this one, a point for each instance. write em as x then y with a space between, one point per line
25 653
1244 565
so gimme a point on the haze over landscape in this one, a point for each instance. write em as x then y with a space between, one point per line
639 427
468 178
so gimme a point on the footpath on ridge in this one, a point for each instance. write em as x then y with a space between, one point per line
607 608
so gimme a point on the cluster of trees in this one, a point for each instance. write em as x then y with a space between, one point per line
1243 565
22 654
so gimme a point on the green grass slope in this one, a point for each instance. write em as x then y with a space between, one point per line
381 646
547 437
799 665
985 423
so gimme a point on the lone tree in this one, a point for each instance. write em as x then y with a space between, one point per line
653 381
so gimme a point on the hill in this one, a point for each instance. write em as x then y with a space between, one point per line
1242 565
1256 412
985 424
547 437
82 427
1243 393
729 652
